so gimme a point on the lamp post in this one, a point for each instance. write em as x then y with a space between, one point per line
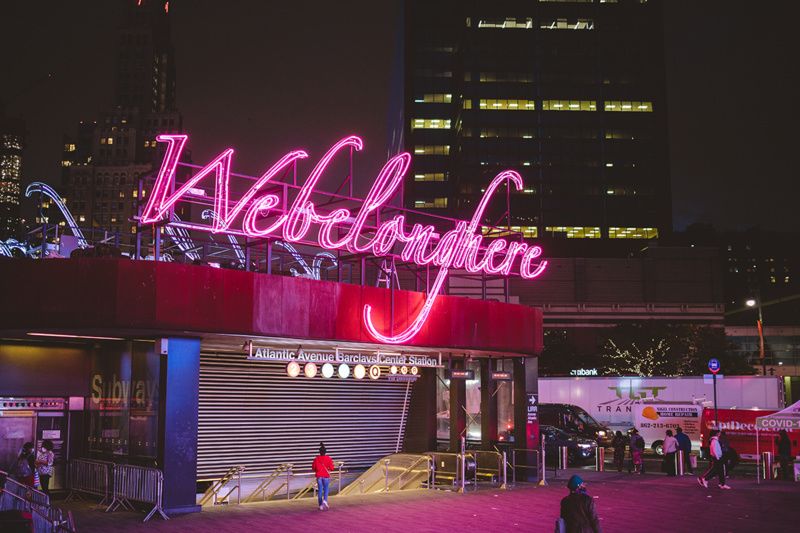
756 302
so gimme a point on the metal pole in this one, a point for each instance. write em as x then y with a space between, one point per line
760 324
386 479
716 416
514 466
288 479
341 464
239 486
463 463
505 470
543 481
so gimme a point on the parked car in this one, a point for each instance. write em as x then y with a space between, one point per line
579 449
574 420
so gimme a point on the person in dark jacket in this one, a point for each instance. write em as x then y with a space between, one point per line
577 509
685 445
784 445
619 450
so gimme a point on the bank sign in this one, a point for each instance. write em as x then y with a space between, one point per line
259 214
287 355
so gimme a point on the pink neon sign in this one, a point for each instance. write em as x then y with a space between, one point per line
459 248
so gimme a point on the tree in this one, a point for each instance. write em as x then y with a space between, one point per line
656 349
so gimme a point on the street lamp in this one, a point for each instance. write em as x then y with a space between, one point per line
753 302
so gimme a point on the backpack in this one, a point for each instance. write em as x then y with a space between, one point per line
23 468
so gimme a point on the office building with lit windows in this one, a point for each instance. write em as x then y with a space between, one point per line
571 94
12 141
103 163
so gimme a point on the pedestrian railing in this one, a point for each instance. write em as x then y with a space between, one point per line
530 464
138 484
86 476
15 496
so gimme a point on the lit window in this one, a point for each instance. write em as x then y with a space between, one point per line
467 104
135 194
66 163
567 24
529 232
110 140
574 232
436 149
434 98
436 203
508 23
512 133
629 107
507 105
632 233
506 77
569 105
430 124
430 176
82 218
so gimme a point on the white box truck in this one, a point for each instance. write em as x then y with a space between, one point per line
611 400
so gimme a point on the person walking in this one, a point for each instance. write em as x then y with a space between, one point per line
717 468
685 445
619 450
670 448
637 451
784 445
44 464
322 467
730 458
577 509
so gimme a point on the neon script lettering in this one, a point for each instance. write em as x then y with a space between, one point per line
258 216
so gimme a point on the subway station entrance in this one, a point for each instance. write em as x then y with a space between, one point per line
189 370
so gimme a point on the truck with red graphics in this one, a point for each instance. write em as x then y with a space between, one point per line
740 427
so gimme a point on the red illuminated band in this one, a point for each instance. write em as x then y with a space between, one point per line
459 248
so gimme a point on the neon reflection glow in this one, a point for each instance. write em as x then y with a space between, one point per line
459 248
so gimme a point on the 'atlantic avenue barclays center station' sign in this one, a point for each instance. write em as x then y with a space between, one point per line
286 355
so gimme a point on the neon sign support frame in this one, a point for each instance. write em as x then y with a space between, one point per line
262 214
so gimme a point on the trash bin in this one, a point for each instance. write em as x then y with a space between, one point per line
766 464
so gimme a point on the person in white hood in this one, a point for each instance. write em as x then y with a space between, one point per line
717 468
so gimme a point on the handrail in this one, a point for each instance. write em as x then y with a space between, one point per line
212 492
53 516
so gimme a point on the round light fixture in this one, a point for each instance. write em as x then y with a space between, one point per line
327 370
359 372
404 369
374 372
293 369
344 371
310 370
393 369
414 371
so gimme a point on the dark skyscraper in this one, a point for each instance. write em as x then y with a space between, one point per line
103 163
571 94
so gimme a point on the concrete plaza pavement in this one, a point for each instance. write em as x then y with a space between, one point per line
625 503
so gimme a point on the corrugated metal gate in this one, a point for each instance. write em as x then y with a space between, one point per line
251 413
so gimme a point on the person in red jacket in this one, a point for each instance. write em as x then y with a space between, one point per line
322 467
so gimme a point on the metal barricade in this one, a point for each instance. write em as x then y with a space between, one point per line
90 477
517 465
138 484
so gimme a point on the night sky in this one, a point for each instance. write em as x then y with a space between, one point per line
266 77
